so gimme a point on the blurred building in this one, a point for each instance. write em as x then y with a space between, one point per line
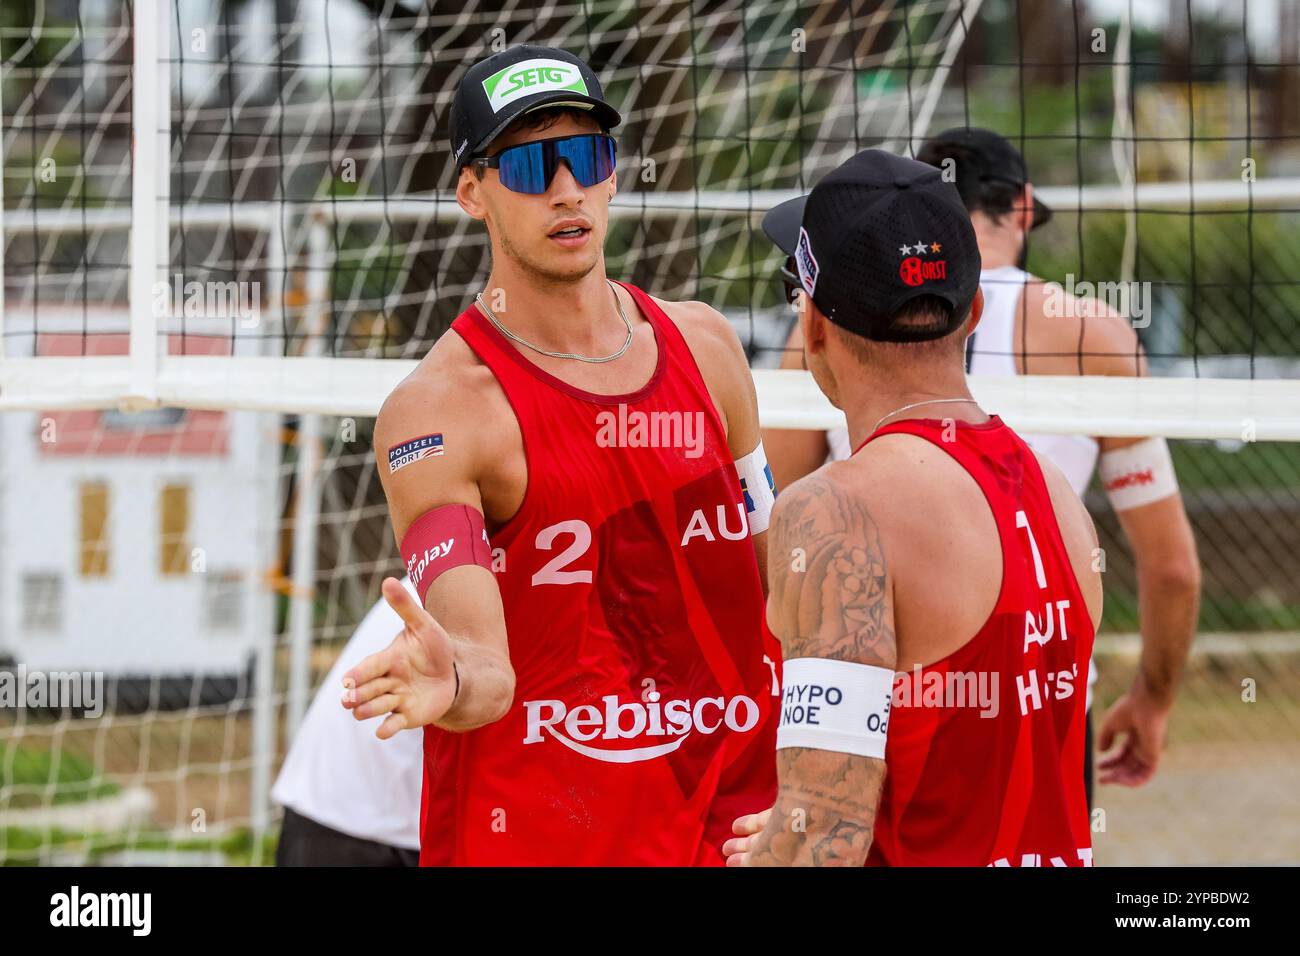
129 542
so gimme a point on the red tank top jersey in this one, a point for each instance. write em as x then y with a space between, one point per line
643 720
1002 784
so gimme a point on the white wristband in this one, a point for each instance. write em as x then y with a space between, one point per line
835 705
758 487
1138 475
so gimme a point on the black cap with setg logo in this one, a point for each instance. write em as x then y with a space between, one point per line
496 91
879 231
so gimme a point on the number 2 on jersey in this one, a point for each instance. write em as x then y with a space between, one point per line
553 571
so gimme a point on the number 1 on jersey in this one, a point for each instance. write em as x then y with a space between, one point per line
1022 521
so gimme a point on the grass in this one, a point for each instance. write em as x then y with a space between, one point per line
33 778
1214 465
26 847
1220 612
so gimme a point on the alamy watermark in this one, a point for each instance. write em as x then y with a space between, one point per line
79 691
133 911
638 429
1089 300
209 300
951 689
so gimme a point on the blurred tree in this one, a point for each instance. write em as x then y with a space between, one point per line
1284 117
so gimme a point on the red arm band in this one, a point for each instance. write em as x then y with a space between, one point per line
442 539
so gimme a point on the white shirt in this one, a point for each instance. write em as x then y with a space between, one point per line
338 773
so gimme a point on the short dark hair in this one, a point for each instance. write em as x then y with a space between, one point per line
993 197
921 315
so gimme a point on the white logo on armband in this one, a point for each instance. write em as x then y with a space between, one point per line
835 705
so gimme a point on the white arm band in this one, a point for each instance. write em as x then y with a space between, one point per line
1138 475
835 705
758 487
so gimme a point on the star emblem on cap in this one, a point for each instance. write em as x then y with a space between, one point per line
920 248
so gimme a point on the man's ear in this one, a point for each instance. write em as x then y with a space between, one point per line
812 323
976 313
1025 214
613 185
469 194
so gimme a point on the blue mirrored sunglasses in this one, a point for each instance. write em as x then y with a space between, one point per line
530 167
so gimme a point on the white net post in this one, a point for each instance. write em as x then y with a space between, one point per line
150 180
2 219
260 595
308 489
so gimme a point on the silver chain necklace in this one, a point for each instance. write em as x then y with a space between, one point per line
563 355
929 401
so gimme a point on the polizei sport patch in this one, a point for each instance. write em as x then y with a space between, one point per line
417 449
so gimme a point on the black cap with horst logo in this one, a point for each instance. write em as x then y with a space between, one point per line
879 231
497 90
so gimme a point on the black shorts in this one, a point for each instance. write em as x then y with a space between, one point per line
304 842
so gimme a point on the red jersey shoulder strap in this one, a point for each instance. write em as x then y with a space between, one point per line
1007 472
490 345
990 452
519 376
512 366
675 353
667 333
472 326
971 447
933 430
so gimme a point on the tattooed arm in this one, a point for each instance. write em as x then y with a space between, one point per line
840 607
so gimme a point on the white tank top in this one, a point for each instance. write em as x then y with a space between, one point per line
993 352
